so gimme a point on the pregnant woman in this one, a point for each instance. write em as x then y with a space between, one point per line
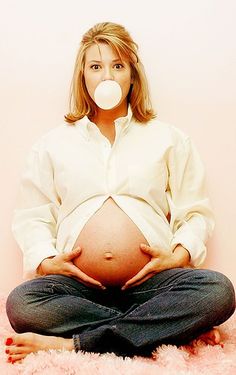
113 220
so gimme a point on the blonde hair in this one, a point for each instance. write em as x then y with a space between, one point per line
120 41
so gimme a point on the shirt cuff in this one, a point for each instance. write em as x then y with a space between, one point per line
35 255
192 243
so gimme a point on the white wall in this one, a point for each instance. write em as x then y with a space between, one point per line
188 48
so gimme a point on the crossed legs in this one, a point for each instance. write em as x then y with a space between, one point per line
173 307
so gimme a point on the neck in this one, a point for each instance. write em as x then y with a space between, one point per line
107 117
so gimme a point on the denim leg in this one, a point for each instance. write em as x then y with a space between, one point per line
173 307
57 305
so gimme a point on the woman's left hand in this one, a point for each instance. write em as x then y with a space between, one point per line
160 261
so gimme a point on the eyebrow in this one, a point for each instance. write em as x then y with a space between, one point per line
99 61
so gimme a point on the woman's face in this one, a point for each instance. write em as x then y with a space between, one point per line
102 63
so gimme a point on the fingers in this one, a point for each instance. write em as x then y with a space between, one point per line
72 254
140 276
86 279
65 266
150 269
140 281
149 250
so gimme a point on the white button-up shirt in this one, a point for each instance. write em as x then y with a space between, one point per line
152 171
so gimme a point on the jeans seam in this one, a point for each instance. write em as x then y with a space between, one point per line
102 307
149 290
168 287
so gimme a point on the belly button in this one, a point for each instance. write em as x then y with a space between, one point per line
108 255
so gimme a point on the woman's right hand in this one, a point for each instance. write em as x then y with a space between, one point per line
62 264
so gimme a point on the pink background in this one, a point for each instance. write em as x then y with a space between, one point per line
188 48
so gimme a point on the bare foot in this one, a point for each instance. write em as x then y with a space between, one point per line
211 337
20 345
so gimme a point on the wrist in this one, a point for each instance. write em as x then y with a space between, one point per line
39 270
42 268
181 256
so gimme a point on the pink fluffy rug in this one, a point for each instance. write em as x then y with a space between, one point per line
167 360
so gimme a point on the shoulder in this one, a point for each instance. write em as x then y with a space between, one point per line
55 137
160 128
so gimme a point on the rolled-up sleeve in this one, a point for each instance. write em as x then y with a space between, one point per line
35 218
192 219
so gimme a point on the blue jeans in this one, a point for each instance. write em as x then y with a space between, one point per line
172 307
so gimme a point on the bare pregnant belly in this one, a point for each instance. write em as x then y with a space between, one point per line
110 246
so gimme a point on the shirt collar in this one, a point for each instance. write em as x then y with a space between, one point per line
88 126
125 121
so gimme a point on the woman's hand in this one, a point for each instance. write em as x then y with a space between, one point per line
62 264
160 261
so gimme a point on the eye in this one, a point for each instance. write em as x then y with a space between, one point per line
118 66
95 67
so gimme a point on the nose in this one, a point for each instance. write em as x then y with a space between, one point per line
107 74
